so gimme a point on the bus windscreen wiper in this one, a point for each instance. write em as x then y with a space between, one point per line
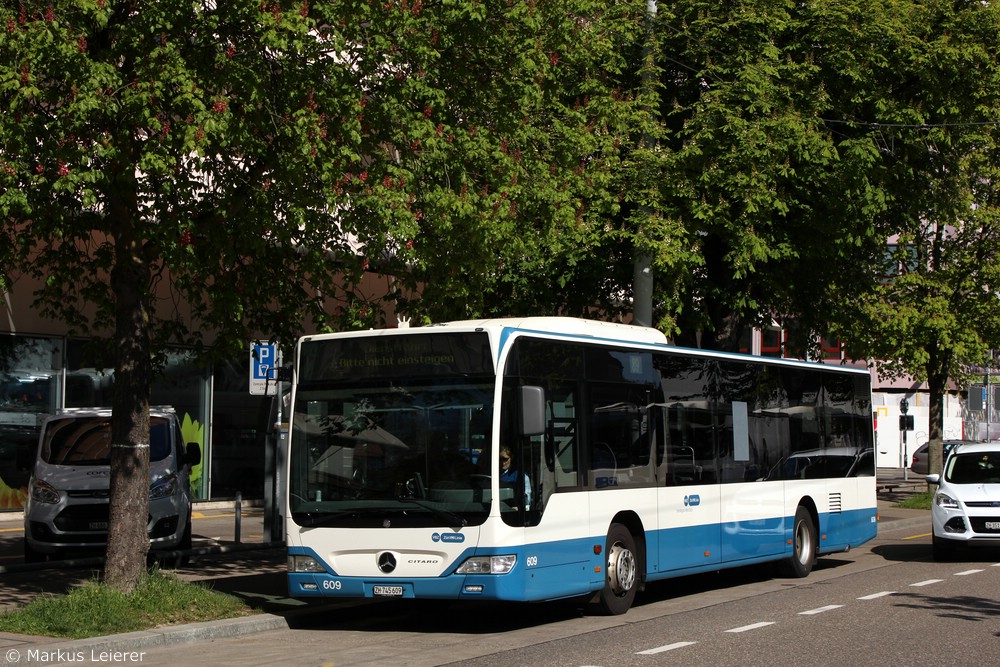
311 520
450 517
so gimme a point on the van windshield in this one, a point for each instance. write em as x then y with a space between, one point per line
86 441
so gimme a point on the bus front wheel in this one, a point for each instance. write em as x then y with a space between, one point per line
803 557
621 572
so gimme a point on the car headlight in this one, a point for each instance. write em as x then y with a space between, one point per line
945 501
163 487
43 492
487 565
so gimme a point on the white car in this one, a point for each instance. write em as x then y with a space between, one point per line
67 506
966 507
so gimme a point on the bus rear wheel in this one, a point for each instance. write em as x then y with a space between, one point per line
803 557
621 572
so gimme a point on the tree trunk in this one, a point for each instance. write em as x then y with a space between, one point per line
939 370
128 541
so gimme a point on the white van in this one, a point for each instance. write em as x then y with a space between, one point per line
67 505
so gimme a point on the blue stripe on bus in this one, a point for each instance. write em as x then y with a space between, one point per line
844 530
536 577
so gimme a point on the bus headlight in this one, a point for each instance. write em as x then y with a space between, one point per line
306 564
487 565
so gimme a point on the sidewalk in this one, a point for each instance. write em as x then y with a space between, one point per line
241 565
256 574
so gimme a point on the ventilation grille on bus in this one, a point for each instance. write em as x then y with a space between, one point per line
836 504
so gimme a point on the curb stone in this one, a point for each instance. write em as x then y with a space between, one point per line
137 641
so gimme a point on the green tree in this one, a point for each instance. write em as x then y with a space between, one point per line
804 139
204 173
507 171
153 154
933 307
776 199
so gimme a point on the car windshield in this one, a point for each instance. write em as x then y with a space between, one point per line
974 468
86 441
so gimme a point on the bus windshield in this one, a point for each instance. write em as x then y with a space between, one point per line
390 451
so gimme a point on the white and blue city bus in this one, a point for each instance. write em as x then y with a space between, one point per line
639 461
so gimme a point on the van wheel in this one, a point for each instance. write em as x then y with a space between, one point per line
621 572
186 540
803 557
185 545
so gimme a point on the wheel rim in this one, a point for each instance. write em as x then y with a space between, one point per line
621 569
803 542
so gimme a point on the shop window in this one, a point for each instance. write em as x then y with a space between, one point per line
239 434
30 387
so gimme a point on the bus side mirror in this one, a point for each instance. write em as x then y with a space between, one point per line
532 410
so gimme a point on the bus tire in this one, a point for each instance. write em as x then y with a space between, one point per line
803 557
621 578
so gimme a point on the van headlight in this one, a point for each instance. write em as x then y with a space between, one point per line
487 565
43 492
163 487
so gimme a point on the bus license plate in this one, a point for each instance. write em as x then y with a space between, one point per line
993 525
98 525
388 591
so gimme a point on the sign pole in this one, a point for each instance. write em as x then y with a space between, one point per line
265 359
904 407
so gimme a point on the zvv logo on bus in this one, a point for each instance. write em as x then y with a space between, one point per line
692 501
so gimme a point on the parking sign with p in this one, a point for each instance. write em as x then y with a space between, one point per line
264 360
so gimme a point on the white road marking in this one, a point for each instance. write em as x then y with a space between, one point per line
752 626
876 595
662 649
928 582
820 610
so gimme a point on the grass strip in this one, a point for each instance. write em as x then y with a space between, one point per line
95 609
917 501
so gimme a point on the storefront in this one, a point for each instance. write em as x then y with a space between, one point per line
40 375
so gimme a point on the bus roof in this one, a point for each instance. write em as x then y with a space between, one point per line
572 326
581 328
